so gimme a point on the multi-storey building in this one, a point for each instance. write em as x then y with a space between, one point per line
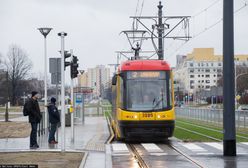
201 69
96 78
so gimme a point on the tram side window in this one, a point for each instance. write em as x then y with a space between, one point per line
121 93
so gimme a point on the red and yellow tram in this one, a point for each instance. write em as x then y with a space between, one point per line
143 100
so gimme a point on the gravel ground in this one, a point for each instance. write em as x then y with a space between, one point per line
14 129
43 159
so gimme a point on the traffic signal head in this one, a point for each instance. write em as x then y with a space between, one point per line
74 67
67 55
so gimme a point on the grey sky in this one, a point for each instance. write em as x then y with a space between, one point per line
93 27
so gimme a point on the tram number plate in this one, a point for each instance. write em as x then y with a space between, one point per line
147 115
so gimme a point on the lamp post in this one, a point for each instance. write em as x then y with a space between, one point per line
45 31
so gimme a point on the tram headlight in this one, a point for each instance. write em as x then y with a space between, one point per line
158 116
135 116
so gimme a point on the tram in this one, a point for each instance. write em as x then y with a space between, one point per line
143 100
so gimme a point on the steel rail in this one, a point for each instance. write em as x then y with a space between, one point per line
137 156
193 161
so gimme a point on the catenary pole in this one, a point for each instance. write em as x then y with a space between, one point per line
160 32
229 142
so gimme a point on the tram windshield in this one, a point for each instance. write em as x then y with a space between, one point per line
148 91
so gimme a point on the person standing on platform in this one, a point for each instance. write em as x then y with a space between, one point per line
54 119
34 117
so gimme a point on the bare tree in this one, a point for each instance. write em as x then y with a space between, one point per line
18 66
1 62
241 79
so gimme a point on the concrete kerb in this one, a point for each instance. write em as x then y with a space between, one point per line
108 157
84 160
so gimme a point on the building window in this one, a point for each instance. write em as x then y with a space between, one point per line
214 70
191 76
219 75
199 70
207 86
199 81
214 75
202 81
219 64
219 70
206 64
214 81
200 64
207 70
199 87
207 76
191 70
202 75
207 81
212 64
191 64
199 75
191 81
192 87
202 70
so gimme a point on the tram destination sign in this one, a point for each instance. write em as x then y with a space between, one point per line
145 74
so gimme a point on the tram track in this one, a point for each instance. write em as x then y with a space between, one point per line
137 156
193 161
143 163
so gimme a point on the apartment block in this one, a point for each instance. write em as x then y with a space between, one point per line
201 69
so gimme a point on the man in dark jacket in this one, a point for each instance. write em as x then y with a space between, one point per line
54 119
34 118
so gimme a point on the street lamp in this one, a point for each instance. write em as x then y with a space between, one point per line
45 31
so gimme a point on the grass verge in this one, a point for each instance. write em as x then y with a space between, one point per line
207 130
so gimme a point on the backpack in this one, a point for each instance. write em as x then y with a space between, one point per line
25 109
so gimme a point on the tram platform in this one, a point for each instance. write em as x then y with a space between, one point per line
90 138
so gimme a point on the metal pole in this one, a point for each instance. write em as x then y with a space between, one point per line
7 104
72 104
160 32
45 82
229 140
62 35
235 80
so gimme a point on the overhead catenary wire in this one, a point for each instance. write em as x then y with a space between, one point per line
197 14
208 28
204 10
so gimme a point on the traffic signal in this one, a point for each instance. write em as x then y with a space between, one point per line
67 55
74 66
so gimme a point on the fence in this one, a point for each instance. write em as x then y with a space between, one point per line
214 116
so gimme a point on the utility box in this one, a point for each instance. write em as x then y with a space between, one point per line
68 118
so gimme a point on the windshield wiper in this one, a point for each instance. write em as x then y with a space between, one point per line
158 102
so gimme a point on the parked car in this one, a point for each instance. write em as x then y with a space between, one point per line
243 107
